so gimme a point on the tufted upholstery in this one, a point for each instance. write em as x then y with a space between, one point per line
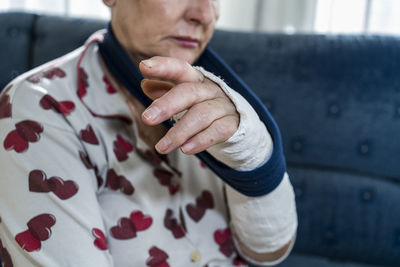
337 102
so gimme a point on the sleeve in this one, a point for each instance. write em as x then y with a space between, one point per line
252 160
273 216
49 212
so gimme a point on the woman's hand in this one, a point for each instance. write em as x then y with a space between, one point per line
175 86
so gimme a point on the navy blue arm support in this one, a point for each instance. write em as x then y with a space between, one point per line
258 182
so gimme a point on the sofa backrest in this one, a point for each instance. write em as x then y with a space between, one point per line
336 100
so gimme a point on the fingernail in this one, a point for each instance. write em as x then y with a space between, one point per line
151 113
163 144
148 63
186 148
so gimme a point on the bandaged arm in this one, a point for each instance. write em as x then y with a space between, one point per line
270 236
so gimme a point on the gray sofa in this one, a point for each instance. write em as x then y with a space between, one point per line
337 102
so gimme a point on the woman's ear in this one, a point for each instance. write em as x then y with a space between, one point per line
109 3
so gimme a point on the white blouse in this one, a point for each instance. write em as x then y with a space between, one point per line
78 186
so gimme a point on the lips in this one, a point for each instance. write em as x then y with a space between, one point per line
187 41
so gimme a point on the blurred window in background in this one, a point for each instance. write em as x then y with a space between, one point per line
289 16
73 8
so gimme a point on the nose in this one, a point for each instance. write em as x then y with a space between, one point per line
201 12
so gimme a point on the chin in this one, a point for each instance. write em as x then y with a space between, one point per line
188 57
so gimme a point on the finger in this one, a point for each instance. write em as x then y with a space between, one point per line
178 99
155 88
198 118
170 69
218 132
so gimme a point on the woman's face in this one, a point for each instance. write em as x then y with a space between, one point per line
172 28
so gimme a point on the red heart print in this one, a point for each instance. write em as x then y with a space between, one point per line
116 182
125 143
203 165
89 136
110 88
224 239
121 148
5 106
172 224
196 213
168 219
113 180
48 102
59 72
62 189
5 257
142 222
149 156
16 142
40 226
173 189
178 231
38 182
100 241
29 130
126 186
48 74
83 82
164 177
27 241
227 248
205 200
222 235
124 230
120 152
54 72
64 107
157 257
35 78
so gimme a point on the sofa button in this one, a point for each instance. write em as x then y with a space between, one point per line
297 145
298 192
334 110
367 194
397 111
239 66
13 32
364 148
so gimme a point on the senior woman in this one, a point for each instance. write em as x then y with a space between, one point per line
94 173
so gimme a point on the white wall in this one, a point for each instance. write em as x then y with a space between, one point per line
268 15
238 14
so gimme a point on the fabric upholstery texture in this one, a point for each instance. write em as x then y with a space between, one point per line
336 100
